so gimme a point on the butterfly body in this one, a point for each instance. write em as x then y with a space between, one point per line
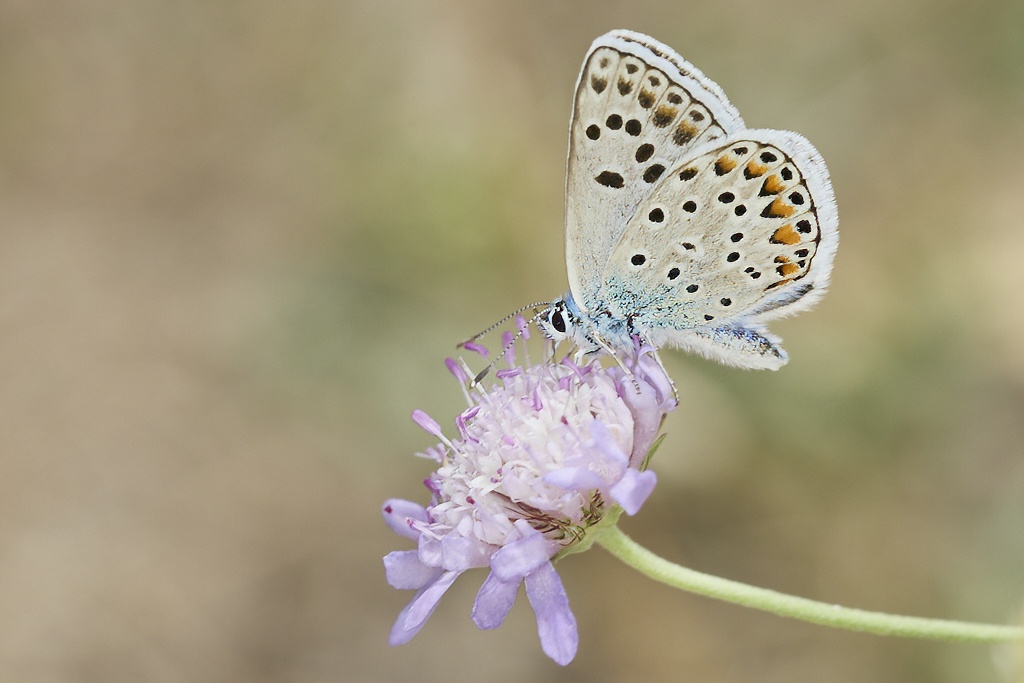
683 227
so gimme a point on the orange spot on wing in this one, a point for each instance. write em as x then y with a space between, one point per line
664 114
685 132
787 269
726 163
785 235
778 209
773 185
755 170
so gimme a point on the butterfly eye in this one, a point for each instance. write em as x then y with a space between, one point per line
558 322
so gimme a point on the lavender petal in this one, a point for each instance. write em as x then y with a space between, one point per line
633 489
476 348
404 570
459 553
399 513
456 370
430 551
419 609
605 443
427 423
493 601
575 479
556 624
519 558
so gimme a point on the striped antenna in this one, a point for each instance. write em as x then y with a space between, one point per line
503 321
519 333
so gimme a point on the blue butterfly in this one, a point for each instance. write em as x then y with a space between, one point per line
683 227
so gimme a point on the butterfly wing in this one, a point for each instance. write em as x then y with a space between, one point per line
743 232
639 109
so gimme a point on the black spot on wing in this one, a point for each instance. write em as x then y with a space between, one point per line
610 179
653 172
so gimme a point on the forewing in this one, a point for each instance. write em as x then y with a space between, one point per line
639 110
743 232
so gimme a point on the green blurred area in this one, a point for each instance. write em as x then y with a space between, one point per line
238 239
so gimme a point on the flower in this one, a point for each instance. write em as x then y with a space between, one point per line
543 454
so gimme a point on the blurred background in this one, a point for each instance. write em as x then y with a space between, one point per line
237 240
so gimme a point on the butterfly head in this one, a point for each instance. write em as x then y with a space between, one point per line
563 320
554 321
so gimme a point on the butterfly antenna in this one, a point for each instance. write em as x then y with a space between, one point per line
512 342
503 321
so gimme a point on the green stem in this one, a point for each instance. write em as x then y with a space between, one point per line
627 550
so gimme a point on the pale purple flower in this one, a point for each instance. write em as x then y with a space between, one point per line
542 454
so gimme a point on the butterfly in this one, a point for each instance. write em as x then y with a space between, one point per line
684 228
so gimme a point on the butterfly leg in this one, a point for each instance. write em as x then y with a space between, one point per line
661 365
606 347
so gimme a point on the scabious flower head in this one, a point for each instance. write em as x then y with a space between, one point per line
543 454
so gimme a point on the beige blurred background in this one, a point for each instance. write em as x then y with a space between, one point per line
237 239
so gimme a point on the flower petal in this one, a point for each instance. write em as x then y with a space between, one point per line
427 423
493 601
648 406
459 553
456 370
520 557
419 609
575 479
430 551
654 374
523 325
400 513
556 624
633 489
507 339
476 348
605 443
404 570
